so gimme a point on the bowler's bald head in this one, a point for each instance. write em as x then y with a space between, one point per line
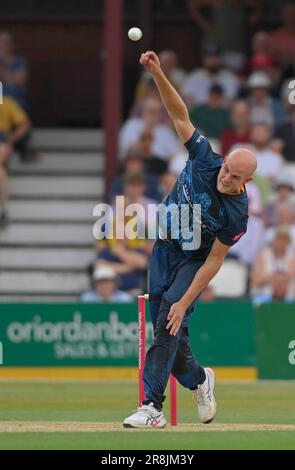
242 161
236 170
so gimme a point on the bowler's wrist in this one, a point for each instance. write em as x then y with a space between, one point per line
184 303
158 73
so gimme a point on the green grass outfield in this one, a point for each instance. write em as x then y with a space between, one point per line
88 415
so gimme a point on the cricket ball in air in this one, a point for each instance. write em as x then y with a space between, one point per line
135 34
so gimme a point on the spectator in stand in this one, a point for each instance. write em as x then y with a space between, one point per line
128 255
269 163
197 86
282 40
278 256
212 118
264 108
154 165
106 288
250 244
5 152
134 189
261 60
239 133
15 71
15 125
279 290
286 134
14 121
128 260
269 67
134 164
165 143
284 192
285 215
226 24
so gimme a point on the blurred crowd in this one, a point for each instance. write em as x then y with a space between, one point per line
15 123
235 99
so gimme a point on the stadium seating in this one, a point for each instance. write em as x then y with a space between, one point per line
46 249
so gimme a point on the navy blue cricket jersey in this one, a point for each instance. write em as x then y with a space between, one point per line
222 216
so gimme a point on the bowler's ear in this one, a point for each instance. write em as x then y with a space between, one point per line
248 179
225 158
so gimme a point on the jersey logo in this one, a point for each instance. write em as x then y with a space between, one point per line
237 237
200 138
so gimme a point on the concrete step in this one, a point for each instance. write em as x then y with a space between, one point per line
42 282
60 163
59 211
46 258
56 186
47 234
68 139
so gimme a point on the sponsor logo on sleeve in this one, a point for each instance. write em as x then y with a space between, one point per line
237 237
200 138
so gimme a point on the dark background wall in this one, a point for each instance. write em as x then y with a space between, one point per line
65 68
63 43
66 60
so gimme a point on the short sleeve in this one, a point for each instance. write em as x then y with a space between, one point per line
201 153
236 218
231 235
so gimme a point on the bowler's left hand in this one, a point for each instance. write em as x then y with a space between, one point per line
175 317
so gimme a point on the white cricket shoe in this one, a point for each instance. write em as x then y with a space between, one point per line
207 407
146 416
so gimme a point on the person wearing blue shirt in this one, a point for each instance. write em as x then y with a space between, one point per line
211 199
16 71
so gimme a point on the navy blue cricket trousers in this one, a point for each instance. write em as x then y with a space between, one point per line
171 274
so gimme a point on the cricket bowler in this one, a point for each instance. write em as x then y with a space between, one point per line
178 275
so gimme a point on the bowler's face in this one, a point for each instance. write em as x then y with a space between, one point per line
229 180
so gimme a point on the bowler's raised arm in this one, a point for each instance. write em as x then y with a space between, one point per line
172 101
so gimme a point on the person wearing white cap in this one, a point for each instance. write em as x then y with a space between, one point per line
105 280
264 108
197 85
